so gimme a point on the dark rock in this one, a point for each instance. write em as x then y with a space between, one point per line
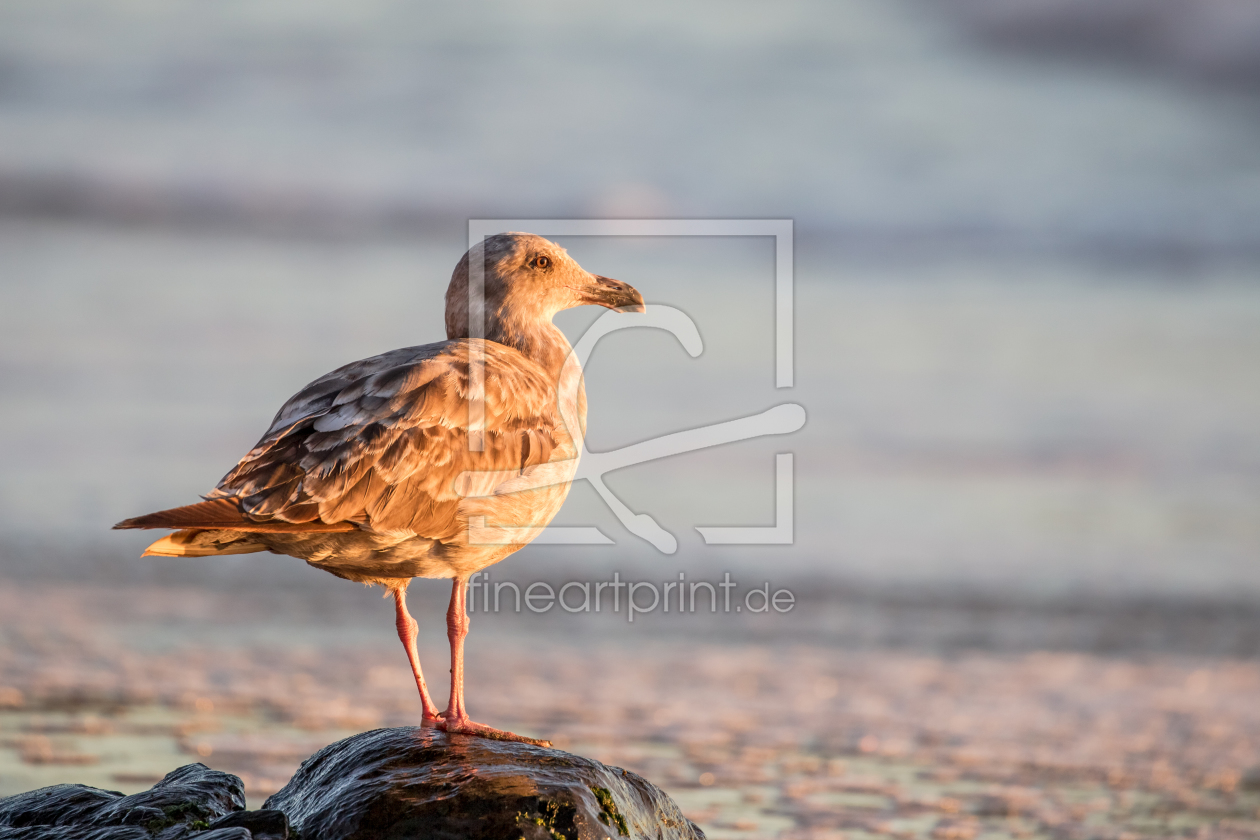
65 832
199 831
389 784
56 805
393 784
192 794
264 824
186 800
233 833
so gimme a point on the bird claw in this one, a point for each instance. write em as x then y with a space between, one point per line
468 727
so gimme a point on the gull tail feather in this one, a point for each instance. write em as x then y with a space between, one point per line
226 514
202 543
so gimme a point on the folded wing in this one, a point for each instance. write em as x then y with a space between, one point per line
380 445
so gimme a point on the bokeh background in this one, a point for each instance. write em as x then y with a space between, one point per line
1027 498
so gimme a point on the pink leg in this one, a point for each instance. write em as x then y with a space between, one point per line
407 634
455 719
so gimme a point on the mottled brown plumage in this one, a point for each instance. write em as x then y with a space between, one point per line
381 470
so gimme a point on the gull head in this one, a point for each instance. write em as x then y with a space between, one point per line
527 278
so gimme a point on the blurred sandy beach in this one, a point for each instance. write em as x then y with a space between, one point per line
1027 497
754 736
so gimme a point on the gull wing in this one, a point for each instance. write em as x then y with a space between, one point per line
379 445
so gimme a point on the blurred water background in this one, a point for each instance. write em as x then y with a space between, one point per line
1026 310
1027 314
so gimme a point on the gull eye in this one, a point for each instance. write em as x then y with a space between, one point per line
541 262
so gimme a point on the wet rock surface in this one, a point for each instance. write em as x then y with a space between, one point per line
388 784
412 782
193 800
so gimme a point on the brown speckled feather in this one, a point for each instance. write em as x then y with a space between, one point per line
224 514
380 442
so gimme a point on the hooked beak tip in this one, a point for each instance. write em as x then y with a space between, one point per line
613 294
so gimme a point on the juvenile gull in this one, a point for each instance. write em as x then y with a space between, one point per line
375 473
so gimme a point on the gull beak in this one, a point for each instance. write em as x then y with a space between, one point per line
605 291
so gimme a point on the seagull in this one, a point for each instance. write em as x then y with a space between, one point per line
433 461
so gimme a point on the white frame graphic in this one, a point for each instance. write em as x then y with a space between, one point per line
782 419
